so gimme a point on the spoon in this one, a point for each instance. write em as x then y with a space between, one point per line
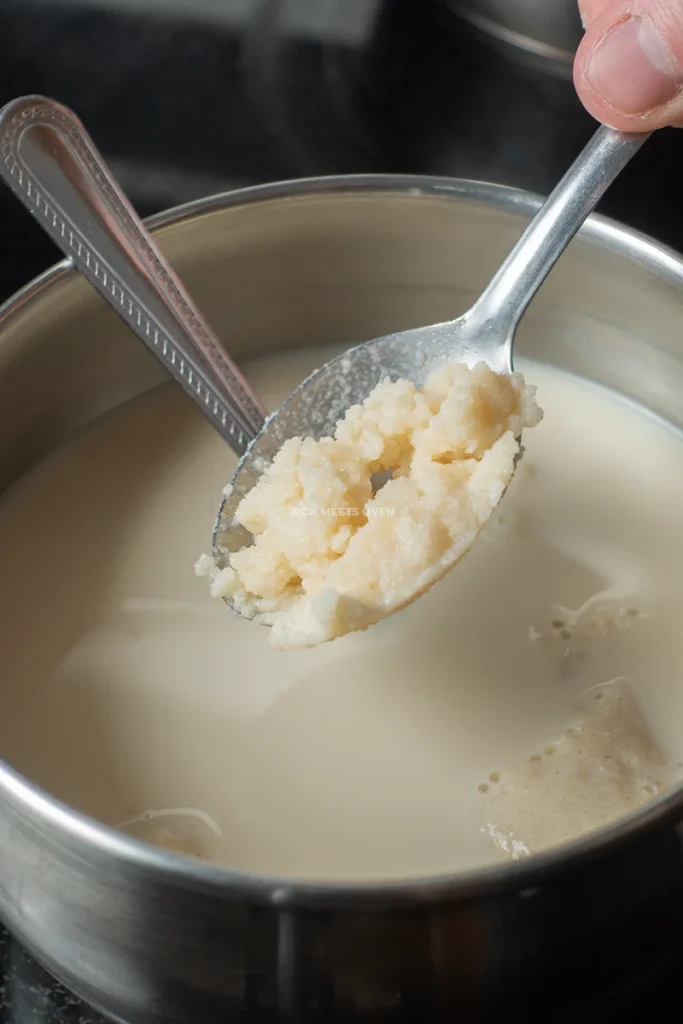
485 333
52 165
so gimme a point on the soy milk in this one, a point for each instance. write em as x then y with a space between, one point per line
133 696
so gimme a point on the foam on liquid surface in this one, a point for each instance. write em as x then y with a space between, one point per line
127 689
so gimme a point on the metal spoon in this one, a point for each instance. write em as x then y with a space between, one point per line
52 165
486 333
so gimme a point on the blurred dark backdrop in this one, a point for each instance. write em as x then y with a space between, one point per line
191 97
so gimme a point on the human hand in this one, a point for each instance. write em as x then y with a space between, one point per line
628 70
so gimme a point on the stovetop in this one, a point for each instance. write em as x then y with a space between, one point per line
191 97
28 995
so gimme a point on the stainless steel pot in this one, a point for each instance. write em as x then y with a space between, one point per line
549 30
148 937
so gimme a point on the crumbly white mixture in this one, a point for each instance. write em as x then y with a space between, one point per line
604 766
329 555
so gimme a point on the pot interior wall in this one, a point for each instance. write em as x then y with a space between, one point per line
335 267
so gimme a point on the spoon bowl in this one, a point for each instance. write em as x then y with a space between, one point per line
315 407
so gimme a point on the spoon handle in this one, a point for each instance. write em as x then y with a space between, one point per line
502 304
52 165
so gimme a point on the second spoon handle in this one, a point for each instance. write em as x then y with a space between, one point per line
52 165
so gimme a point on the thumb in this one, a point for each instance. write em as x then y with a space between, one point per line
590 9
628 69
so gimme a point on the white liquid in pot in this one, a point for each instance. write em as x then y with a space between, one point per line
126 689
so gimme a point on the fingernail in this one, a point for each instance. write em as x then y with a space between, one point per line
631 68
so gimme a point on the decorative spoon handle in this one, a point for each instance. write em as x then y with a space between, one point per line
51 164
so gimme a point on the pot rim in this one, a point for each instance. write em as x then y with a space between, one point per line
221 880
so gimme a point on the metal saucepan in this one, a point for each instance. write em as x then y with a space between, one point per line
548 30
147 937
